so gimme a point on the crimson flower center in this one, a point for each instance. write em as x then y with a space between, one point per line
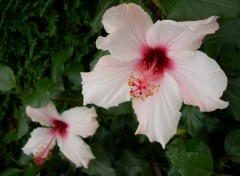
144 81
155 61
59 127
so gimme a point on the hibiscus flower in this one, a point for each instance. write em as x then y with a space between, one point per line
63 129
156 65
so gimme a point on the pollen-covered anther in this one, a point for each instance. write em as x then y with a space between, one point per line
41 155
142 86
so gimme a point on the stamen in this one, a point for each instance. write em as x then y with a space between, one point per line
142 86
144 81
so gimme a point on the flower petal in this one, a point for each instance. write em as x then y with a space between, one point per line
43 115
41 138
81 120
158 115
106 85
115 17
202 27
76 150
180 35
200 79
127 25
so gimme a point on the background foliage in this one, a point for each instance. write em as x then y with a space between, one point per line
44 44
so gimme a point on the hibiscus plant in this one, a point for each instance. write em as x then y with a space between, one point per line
120 87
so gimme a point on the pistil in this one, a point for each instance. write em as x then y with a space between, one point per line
43 152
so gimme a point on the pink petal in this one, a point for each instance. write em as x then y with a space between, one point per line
43 115
127 25
200 79
106 85
180 36
40 139
76 150
115 17
202 27
81 120
158 115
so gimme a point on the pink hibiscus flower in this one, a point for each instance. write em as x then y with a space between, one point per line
156 65
63 129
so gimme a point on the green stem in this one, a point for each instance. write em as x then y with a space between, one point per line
181 131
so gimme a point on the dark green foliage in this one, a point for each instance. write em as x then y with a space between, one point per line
190 156
45 44
191 9
193 119
189 163
7 78
233 95
232 145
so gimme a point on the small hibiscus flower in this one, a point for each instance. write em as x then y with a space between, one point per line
156 65
63 129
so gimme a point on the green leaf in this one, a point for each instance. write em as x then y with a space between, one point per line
176 146
197 146
58 61
223 43
7 78
191 153
228 32
97 56
232 94
189 163
10 137
213 124
179 145
22 124
10 171
24 159
200 9
211 48
123 108
232 145
173 172
73 70
101 165
193 119
232 61
31 170
96 23
132 163
41 96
